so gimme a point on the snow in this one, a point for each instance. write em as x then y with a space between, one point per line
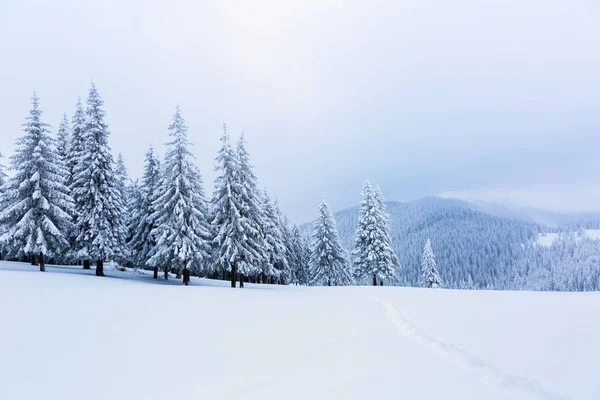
592 234
69 335
547 239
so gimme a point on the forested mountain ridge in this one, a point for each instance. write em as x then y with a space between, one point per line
475 249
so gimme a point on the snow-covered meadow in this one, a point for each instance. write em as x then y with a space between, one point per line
69 335
549 238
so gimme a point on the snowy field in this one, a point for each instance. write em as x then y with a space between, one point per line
66 334
548 239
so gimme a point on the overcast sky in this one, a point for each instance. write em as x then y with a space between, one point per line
493 99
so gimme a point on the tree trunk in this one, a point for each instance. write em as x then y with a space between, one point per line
381 282
186 276
41 261
233 275
99 267
241 281
374 280
166 273
155 276
33 259
86 264
328 283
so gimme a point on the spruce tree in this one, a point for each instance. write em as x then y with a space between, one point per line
180 214
373 253
124 187
430 276
235 234
63 140
37 205
285 267
143 221
123 180
300 258
251 214
76 149
328 263
74 161
275 264
99 205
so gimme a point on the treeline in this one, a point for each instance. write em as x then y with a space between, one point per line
69 201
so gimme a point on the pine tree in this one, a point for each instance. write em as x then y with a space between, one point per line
328 263
99 205
124 188
74 161
123 180
63 140
251 214
300 258
284 267
430 275
373 253
37 205
142 239
234 229
180 214
276 263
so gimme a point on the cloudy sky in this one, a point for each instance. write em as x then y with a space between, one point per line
495 100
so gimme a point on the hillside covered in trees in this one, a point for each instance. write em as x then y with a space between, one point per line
478 250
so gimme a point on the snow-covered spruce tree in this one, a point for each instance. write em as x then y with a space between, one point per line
181 227
77 141
74 161
251 215
63 139
276 261
373 254
142 238
37 205
430 276
234 230
328 263
300 258
125 188
284 267
134 204
98 202
123 180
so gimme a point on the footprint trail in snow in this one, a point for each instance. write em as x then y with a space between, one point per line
488 372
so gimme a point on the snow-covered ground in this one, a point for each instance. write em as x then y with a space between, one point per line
66 334
547 239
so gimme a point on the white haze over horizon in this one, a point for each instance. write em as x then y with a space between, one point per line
495 100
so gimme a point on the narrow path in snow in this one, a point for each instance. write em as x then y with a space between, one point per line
488 372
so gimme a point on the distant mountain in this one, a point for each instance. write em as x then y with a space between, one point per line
473 248
547 218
